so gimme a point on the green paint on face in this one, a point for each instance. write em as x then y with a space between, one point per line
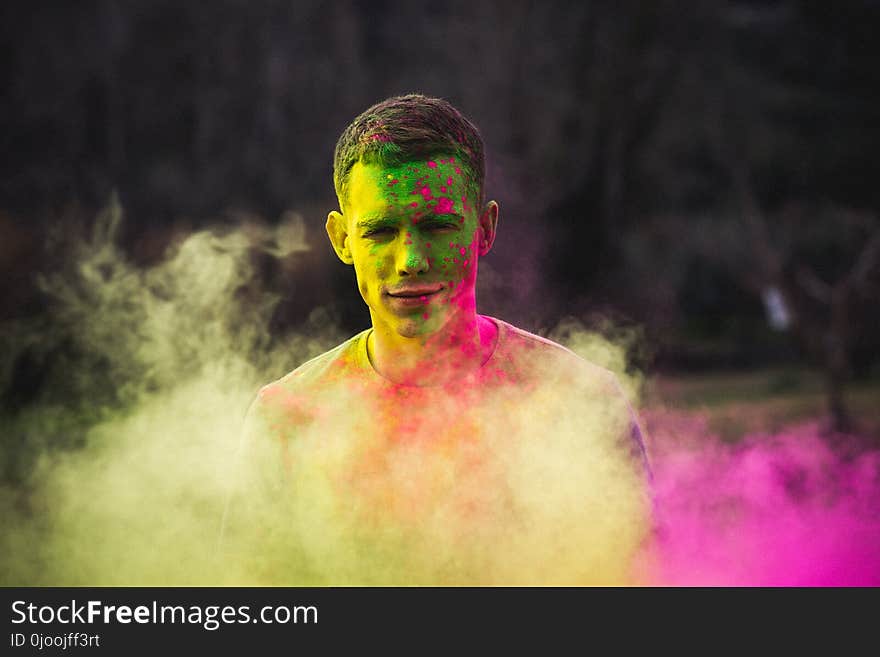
413 228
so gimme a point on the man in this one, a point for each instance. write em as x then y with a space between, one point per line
439 446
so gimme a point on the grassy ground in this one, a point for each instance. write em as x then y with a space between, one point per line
737 404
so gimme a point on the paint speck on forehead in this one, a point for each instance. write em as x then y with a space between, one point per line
436 184
444 205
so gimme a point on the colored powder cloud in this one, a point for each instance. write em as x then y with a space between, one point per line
123 466
783 509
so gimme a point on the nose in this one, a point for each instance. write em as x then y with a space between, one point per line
411 259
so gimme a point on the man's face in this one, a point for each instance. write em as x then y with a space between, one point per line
414 234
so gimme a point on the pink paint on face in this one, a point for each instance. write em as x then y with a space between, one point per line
442 216
444 205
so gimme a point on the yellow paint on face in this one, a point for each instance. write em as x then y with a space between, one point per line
412 233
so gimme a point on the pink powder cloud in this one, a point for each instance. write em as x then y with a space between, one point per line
786 509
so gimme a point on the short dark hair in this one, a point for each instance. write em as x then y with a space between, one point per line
403 128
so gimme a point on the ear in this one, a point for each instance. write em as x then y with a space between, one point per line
488 226
337 231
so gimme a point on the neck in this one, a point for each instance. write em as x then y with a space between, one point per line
452 353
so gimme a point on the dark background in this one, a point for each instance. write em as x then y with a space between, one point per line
659 165
693 180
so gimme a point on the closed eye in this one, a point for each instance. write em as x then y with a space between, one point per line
380 231
439 228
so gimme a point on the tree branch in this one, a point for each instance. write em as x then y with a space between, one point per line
813 285
867 260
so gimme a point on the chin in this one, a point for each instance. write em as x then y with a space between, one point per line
418 327
413 328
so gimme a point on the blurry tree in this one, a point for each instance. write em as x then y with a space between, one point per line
787 226
609 125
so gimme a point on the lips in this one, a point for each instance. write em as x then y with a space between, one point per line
413 292
411 298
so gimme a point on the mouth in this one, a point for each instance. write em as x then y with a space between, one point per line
414 292
407 299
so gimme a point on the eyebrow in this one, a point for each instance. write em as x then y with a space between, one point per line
445 216
376 222
373 222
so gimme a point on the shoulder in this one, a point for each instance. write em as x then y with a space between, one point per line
290 394
534 357
581 385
